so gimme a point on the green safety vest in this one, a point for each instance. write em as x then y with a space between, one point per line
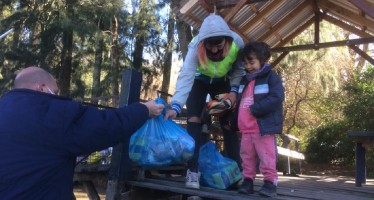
220 69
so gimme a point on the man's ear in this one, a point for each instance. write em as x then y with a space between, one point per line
39 87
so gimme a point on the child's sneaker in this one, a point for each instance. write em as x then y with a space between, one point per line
268 189
246 187
193 179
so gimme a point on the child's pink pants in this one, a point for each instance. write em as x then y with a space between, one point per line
253 145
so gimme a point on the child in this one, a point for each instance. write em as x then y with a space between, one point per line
259 118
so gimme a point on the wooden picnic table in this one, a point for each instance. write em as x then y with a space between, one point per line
364 141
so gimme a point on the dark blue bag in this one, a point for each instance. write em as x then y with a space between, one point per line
217 171
160 142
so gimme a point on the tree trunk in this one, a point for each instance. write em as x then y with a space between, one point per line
66 53
184 36
168 57
138 52
139 33
115 61
97 66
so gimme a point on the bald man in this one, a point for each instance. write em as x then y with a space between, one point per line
42 133
37 79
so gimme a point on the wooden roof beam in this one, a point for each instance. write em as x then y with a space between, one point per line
345 14
325 45
195 19
284 21
362 53
186 9
345 26
244 37
219 4
280 58
260 15
235 10
365 6
239 32
296 32
316 23
208 7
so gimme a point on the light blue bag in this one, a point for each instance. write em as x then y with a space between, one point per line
216 170
160 142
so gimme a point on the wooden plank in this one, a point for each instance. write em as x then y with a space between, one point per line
188 6
369 134
280 58
260 15
290 153
325 45
365 6
235 10
296 32
90 189
180 188
345 26
345 14
274 29
290 188
362 54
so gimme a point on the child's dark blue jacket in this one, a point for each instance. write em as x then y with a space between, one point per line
41 135
268 106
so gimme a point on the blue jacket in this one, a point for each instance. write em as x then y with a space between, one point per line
41 135
268 101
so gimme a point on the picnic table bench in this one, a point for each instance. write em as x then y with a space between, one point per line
364 141
285 150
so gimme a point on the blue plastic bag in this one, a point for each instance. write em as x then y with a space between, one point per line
216 170
160 142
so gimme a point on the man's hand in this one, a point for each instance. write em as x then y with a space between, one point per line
154 108
171 114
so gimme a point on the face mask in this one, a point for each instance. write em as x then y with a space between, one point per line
218 56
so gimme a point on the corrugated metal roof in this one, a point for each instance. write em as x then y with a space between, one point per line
278 21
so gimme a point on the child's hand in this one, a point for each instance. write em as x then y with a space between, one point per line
172 114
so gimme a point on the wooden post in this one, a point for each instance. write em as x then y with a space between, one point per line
360 165
120 166
363 140
89 187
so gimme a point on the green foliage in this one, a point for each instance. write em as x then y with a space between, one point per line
327 95
312 79
360 95
330 144
38 39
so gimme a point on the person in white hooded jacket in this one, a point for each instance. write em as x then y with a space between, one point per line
210 67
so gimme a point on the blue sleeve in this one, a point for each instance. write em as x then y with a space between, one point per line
90 129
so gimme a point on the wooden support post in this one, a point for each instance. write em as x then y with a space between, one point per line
90 189
360 165
288 165
120 167
363 140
